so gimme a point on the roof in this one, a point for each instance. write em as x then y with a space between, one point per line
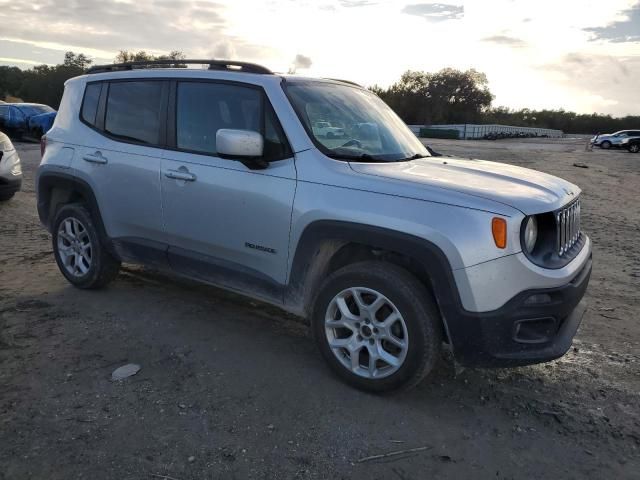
25 104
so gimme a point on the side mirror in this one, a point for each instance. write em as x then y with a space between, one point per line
239 144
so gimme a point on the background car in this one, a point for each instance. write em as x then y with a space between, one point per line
10 169
14 117
609 140
632 144
325 129
38 125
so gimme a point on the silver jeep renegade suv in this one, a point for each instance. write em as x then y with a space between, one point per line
219 175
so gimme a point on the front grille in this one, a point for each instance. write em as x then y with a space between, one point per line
568 227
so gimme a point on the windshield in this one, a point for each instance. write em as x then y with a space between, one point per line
352 124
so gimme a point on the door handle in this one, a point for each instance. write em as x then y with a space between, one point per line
95 158
180 175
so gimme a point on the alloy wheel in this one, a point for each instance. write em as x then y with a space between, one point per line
366 332
74 247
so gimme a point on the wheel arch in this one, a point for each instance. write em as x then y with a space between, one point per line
56 189
325 246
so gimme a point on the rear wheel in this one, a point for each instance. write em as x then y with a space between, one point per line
634 147
79 253
377 326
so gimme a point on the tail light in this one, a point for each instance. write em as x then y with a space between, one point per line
43 145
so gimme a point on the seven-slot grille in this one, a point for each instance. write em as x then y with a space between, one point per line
568 226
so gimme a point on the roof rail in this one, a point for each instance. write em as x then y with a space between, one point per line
230 65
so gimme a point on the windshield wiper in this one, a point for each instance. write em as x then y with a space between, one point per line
415 157
361 157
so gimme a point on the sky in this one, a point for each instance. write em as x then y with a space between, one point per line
580 55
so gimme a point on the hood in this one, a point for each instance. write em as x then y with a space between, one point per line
527 190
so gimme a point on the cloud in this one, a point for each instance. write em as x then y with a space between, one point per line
26 55
505 40
356 3
611 79
435 12
103 27
302 61
627 30
224 50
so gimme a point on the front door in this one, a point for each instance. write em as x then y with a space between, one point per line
227 223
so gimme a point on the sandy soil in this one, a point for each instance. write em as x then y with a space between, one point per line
233 389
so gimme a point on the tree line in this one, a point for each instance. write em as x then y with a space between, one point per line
419 98
45 83
454 96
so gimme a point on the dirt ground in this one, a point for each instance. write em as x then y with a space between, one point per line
233 389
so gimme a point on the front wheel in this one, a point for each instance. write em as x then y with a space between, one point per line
377 326
79 253
606 145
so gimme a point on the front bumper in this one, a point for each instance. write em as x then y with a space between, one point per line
522 332
10 185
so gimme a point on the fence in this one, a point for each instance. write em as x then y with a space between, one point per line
470 131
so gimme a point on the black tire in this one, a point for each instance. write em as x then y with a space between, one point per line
606 145
103 267
330 135
634 148
412 300
6 196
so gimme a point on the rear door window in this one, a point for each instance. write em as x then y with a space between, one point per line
133 111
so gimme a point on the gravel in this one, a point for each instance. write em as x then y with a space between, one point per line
235 389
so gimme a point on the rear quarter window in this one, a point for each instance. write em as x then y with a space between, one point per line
90 103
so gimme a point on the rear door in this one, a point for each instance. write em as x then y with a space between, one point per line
226 223
121 160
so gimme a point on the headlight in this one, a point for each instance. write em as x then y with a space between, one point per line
530 234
